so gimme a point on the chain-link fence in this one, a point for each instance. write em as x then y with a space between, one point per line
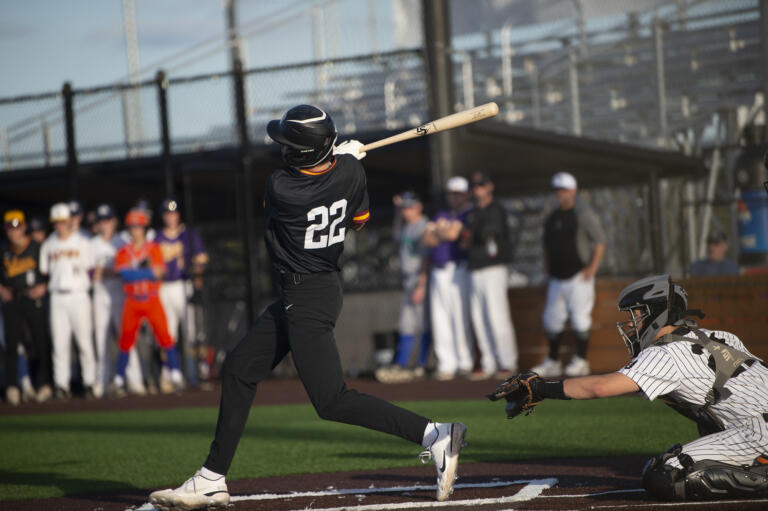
639 73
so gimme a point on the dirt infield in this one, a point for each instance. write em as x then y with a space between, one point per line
576 484
573 484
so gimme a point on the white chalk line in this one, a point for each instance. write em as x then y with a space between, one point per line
373 490
529 492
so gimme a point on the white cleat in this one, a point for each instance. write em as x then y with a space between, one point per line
444 451
196 493
548 368
577 367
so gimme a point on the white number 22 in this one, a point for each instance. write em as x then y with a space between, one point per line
320 216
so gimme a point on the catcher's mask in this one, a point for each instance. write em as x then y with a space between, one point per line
652 303
307 135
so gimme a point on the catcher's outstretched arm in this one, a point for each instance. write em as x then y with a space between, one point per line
601 385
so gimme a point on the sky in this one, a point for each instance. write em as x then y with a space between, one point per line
44 43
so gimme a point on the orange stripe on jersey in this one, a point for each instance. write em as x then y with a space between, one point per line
310 173
362 217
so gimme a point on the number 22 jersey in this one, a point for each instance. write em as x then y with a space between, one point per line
308 214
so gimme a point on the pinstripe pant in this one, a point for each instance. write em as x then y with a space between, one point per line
736 445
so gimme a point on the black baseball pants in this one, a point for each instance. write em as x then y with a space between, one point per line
19 313
300 321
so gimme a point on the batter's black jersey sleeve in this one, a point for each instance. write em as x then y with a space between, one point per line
308 214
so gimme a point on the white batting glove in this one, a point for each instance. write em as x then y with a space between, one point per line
350 147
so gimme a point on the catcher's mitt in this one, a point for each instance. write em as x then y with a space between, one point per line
520 393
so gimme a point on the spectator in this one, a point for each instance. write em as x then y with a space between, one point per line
38 230
574 244
449 283
22 289
108 304
716 262
185 261
410 224
66 259
76 217
488 239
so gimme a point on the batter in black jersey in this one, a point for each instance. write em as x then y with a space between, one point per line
309 212
309 204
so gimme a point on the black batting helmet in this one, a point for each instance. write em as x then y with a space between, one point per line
307 135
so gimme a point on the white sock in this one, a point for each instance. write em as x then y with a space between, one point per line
430 434
210 474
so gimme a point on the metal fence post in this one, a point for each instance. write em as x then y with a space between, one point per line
249 224
661 82
437 34
165 132
573 82
69 128
656 218
764 55
46 130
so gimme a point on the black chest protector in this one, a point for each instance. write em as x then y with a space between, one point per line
728 362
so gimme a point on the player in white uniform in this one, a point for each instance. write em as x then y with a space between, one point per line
108 304
66 258
708 376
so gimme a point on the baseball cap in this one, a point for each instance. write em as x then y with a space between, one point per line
136 217
410 198
105 212
457 184
13 218
564 181
169 204
75 207
36 223
480 178
60 212
717 237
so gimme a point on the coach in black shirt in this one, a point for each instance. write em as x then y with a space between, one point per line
488 236
574 244
22 290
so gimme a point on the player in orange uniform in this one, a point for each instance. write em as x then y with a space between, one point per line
140 265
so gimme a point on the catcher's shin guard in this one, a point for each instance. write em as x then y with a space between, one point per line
664 481
711 480
702 480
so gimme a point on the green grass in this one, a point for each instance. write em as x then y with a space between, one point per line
65 454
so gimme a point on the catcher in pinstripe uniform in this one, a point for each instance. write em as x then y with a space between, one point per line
708 376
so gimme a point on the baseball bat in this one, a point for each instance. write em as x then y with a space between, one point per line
444 123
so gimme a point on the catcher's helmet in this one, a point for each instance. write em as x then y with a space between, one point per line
307 135
652 303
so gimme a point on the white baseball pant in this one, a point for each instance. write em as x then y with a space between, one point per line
738 445
107 318
174 296
71 313
572 298
491 319
449 311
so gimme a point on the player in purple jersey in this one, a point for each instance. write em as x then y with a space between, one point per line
449 283
185 260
